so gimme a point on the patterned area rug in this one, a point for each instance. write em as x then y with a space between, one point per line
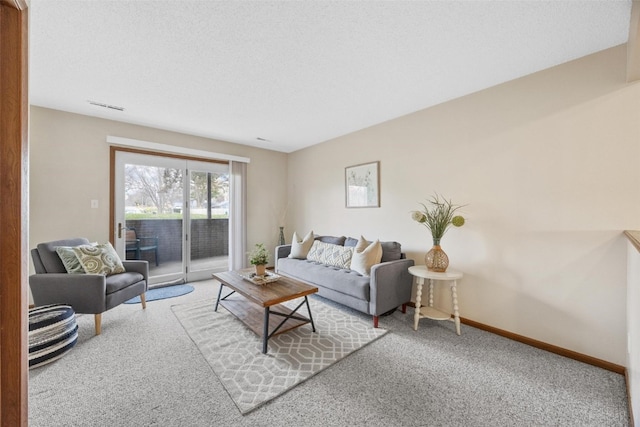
252 378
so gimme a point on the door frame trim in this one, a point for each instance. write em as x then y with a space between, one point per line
172 150
14 190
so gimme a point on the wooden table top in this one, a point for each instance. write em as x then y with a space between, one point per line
284 289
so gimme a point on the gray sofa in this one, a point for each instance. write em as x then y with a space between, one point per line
388 286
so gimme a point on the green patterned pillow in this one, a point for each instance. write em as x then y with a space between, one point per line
70 260
328 254
99 259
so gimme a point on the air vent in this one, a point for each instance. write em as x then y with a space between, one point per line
262 139
103 105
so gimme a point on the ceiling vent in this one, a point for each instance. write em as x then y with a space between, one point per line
103 105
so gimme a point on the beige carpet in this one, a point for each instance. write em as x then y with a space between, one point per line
252 378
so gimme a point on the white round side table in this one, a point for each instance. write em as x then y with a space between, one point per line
421 273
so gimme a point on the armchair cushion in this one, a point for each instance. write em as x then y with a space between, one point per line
117 282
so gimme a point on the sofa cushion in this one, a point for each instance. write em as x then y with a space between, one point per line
300 248
326 253
366 254
332 239
350 241
391 251
340 280
99 259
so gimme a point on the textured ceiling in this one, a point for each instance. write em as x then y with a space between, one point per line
296 73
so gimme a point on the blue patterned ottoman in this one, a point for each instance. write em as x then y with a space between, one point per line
53 331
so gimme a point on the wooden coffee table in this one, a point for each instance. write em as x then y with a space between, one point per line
259 306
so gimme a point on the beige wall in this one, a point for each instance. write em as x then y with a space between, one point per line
548 166
69 167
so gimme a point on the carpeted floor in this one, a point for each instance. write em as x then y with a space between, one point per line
252 378
144 370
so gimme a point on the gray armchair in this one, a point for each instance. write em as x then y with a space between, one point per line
86 293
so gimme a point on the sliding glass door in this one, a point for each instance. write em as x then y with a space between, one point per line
208 219
173 213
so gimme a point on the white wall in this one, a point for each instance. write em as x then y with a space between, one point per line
69 167
548 166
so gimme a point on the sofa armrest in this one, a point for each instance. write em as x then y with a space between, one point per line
138 266
390 285
282 251
86 293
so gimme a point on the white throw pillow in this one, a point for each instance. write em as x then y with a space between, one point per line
329 254
300 248
365 256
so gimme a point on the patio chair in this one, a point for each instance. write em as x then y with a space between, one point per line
137 244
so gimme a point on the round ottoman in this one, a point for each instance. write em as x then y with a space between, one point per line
53 331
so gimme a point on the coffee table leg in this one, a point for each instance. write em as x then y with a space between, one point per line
265 330
313 326
218 300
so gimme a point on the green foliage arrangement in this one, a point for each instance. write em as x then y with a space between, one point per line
259 255
438 216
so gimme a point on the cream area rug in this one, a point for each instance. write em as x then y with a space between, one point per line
252 378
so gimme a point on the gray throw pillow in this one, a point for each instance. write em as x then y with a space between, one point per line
333 240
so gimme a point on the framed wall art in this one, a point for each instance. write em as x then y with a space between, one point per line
362 185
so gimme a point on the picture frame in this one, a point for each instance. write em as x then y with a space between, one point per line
362 185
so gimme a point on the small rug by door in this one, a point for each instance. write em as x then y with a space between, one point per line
162 293
251 378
